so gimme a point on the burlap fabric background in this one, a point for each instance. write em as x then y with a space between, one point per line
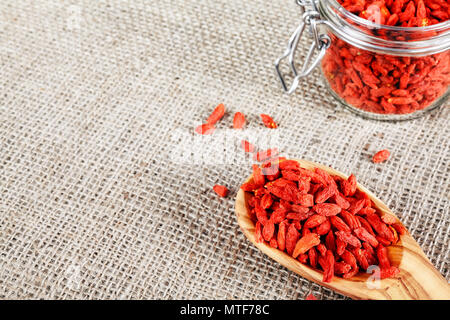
92 202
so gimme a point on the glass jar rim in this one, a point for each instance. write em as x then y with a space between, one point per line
350 28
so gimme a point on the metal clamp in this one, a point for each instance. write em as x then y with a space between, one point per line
321 43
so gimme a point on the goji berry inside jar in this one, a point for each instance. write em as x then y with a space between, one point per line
384 59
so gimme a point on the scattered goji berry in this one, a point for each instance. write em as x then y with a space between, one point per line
265 155
216 115
205 129
381 156
238 120
220 190
310 297
268 121
247 146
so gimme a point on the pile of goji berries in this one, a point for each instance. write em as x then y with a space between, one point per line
388 84
403 13
321 220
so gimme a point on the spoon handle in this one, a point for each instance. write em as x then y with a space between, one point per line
418 278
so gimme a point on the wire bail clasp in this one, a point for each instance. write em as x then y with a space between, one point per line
321 43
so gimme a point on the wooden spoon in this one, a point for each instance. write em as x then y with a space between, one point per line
418 279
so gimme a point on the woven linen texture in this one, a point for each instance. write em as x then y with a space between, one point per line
97 99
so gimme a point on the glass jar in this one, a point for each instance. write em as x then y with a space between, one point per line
378 71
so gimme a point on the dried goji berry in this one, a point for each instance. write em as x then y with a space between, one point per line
238 120
351 220
216 115
292 236
249 186
306 200
348 238
265 155
305 243
273 243
381 156
340 246
281 235
268 121
322 249
312 254
339 224
324 194
258 177
341 267
247 146
349 186
350 259
327 209
278 215
268 230
289 165
361 258
205 129
382 256
330 241
220 190
364 235
390 272
323 228
266 201
341 201
310 297
328 272
399 228
314 221
258 232
261 214
388 219
380 227
300 209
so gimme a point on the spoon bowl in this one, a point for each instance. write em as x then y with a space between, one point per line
417 279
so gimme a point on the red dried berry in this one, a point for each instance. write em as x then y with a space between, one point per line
268 230
281 236
327 209
328 272
238 120
265 155
216 115
310 297
348 238
258 177
205 129
291 239
381 156
305 243
222 191
365 235
247 146
314 221
268 121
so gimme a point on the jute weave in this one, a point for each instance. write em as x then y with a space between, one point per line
98 100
